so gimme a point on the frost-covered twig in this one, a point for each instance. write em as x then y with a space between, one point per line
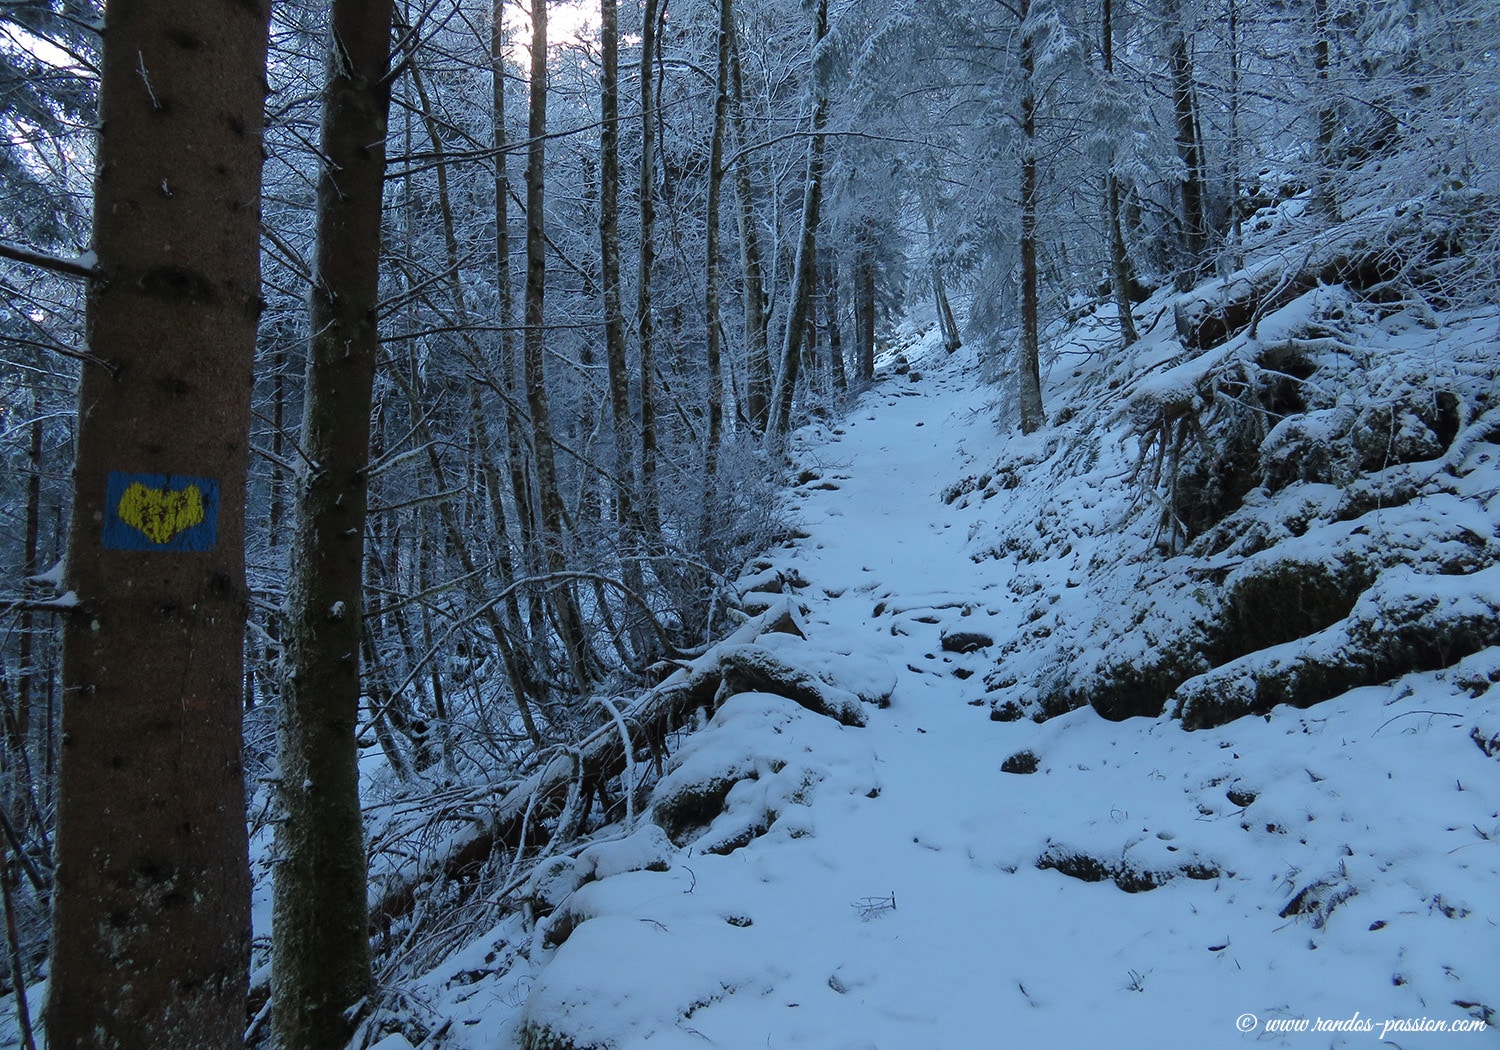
629 774
870 907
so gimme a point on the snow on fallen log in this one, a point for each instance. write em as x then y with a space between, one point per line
512 820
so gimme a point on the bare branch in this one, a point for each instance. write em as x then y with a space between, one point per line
81 266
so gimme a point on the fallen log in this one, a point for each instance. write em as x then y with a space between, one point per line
513 820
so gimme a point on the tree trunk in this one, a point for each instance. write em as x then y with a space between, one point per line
30 566
864 303
831 319
1327 115
519 475
812 362
758 354
1032 415
1119 258
569 622
1235 158
1189 143
151 913
711 278
320 966
614 317
645 318
946 321
802 271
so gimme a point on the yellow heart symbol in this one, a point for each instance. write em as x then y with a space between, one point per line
160 514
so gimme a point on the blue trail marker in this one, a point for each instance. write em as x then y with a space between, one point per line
160 512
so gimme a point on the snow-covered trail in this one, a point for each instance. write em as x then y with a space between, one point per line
981 948
887 578
879 888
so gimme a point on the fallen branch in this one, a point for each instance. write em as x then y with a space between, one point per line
602 755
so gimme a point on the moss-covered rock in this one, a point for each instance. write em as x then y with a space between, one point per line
683 809
1407 621
965 641
1386 434
1124 690
545 1037
553 881
1271 600
1411 621
1128 874
756 669
1299 674
1306 448
1020 762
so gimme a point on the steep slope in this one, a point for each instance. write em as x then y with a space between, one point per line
987 861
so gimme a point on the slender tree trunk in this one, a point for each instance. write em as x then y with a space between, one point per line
1235 160
644 315
1032 415
864 303
806 260
1119 258
614 315
1327 113
711 279
519 474
758 354
817 377
1188 141
482 459
609 256
276 513
151 912
320 965
30 566
549 493
831 319
946 323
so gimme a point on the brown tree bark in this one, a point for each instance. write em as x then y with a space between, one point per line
30 566
831 311
568 621
1189 142
1033 416
1119 258
711 278
151 915
644 315
864 303
806 259
758 383
320 966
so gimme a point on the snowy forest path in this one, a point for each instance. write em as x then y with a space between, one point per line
914 884
888 576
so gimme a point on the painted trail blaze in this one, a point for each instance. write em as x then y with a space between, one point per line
161 512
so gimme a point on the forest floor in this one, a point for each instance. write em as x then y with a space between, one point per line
897 886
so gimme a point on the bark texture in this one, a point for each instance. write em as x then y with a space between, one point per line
151 924
803 274
567 618
1033 416
1119 257
320 947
